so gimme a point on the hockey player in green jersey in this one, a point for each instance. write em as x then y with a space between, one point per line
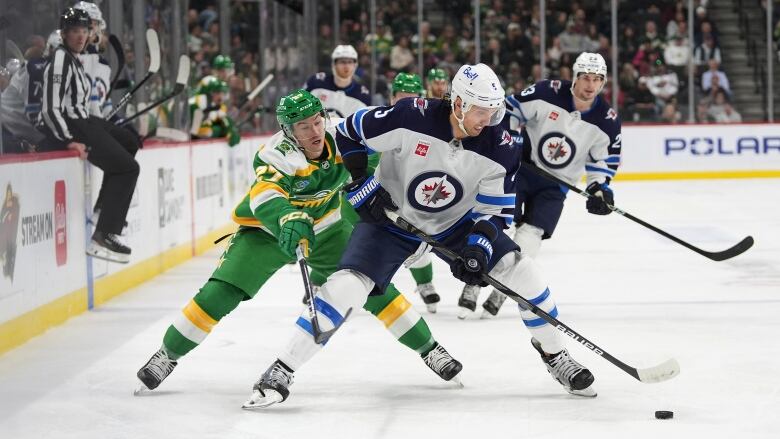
437 83
208 113
296 197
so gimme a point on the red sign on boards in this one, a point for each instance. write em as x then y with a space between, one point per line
60 223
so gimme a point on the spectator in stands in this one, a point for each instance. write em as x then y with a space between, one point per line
663 84
559 25
643 105
707 77
401 57
721 111
677 53
517 46
676 27
573 41
669 114
627 44
706 51
651 38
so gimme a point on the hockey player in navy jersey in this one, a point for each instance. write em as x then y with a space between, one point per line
340 93
448 168
568 130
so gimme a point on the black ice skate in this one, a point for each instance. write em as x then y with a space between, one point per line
441 362
429 296
272 388
493 303
106 246
468 300
575 378
155 371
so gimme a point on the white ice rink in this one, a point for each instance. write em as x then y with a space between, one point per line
641 297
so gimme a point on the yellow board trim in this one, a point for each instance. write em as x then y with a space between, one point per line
394 310
692 175
19 330
198 317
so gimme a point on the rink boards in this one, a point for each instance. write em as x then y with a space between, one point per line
185 194
181 204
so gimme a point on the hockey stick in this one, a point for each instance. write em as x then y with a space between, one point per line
154 65
661 372
120 59
737 249
251 96
320 337
181 82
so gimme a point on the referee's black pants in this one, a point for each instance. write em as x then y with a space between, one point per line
112 149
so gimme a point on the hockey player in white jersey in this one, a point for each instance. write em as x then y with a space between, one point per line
340 93
448 168
568 130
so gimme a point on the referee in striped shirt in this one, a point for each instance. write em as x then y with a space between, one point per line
66 93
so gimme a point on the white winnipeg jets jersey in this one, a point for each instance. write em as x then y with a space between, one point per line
562 140
436 181
339 101
99 73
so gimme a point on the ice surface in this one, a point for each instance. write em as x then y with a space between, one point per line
641 297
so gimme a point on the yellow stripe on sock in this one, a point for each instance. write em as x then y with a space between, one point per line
198 317
394 310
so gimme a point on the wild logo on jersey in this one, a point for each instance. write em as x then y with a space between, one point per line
556 150
434 191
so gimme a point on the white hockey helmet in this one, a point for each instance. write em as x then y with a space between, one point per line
478 85
588 62
93 11
344 51
54 41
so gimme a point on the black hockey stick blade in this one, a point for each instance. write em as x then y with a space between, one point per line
736 250
729 253
113 40
656 374
181 82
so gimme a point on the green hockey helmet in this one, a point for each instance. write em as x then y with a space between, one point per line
213 85
407 83
295 107
437 75
222 62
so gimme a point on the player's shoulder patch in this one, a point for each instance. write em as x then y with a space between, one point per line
282 154
320 76
364 90
421 104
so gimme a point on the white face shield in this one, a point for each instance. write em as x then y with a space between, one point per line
478 88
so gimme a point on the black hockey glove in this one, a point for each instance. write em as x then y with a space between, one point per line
601 197
370 200
475 256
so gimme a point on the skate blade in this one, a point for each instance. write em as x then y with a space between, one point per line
258 401
457 382
431 308
486 315
108 256
587 392
141 390
464 312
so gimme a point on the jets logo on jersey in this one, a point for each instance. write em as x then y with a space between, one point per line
506 138
553 115
421 104
555 85
422 148
611 114
434 191
556 150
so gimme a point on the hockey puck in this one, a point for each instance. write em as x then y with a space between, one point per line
663 414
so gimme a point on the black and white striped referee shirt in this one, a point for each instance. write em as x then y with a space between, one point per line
66 91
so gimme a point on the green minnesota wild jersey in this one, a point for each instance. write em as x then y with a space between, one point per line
287 181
